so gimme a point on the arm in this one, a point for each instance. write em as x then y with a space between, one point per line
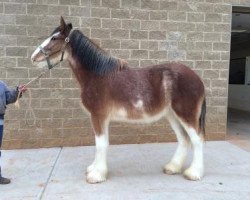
11 95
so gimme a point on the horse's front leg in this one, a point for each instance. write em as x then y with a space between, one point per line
98 170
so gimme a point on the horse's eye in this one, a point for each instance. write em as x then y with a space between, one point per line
53 38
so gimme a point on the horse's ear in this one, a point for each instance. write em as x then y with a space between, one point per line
62 23
70 26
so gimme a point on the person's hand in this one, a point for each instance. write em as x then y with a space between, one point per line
22 88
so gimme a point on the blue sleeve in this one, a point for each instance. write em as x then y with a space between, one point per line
10 94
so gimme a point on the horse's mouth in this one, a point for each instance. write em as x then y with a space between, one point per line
36 59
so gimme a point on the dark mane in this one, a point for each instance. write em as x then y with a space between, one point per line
92 56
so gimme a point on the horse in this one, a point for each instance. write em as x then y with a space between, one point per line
113 91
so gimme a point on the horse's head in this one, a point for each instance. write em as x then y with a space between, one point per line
51 51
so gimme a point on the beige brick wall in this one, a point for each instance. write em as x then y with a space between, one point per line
143 32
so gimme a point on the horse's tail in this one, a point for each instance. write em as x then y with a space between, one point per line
202 119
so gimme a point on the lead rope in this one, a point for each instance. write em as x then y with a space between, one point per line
29 110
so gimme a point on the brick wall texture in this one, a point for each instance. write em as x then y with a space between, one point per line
144 32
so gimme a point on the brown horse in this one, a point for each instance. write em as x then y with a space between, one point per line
113 91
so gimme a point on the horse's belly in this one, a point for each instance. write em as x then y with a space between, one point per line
123 115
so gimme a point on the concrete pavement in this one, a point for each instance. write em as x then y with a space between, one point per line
135 172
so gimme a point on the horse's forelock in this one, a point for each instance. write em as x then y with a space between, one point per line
64 30
56 30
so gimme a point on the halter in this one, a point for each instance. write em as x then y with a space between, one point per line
47 56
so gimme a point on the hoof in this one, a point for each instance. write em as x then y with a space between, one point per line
96 176
193 174
171 169
90 168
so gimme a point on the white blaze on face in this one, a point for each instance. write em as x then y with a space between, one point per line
41 62
45 43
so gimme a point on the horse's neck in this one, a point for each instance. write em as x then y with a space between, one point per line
83 76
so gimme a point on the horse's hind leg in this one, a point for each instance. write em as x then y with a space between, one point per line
97 171
177 161
196 169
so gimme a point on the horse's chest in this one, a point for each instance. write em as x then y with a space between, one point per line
93 100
